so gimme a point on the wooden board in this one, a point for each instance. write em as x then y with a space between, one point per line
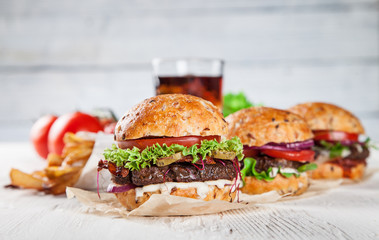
348 212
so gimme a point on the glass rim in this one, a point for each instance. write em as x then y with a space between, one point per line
158 60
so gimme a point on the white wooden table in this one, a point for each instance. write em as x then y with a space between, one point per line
348 212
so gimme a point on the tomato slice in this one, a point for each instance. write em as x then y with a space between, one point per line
300 156
187 141
250 152
334 135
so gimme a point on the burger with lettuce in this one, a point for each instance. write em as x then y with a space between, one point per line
339 153
277 147
171 144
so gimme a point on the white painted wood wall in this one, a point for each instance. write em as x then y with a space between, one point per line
56 56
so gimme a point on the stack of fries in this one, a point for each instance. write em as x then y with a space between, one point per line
61 171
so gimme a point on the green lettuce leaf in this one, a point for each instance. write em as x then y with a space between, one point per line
335 150
236 102
307 167
135 159
368 143
249 170
287 175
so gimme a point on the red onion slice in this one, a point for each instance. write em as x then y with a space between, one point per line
97 183
296 146
118 189
344 142
221 162
350 142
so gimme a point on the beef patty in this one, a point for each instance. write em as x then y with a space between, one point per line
355 154
176 172
264 162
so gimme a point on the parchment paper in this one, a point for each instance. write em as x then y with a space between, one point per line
167 205
87 179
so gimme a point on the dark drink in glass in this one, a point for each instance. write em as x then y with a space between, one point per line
209 88
198 77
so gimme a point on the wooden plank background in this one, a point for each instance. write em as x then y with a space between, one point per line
56 56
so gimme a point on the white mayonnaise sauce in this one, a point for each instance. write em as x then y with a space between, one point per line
359 147
202 188
345 153
274 172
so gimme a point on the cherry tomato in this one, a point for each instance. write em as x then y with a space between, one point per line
109 128
146 142
71 122
300 156
39 133
335 135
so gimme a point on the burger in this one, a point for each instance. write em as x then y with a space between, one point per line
171 144
277 148
339 154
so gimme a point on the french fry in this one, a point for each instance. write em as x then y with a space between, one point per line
54 160
72 147
72 142
71 138
57 172
77 155
24 180
59 185
62 170
39 174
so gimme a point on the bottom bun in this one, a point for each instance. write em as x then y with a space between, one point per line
292 185
129 200
328 170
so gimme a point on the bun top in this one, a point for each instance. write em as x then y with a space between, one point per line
325 116
257 126
171 115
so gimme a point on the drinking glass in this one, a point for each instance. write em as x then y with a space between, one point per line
196 76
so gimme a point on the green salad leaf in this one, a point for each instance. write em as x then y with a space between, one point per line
208 146
135 159
307 167
287 175
335 150
236 102
368 143
249 170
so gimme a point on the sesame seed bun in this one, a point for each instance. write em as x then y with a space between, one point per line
257 126
171 115
325 116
